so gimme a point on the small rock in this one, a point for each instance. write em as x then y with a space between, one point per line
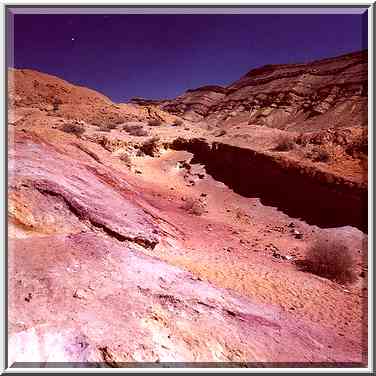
138 172
194 278
80 294
297 234
291 224
220 133
276 254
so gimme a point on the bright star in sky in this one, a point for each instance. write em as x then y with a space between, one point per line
73 39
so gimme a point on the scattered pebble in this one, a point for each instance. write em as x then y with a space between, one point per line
194 278
80 294
297 234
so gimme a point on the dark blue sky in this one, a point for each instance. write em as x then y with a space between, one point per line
161 56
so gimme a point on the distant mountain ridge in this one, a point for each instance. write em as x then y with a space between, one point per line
331 91
327 93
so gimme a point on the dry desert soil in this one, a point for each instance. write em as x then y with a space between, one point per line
182 231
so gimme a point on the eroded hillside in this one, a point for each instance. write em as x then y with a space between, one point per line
318 95
148 232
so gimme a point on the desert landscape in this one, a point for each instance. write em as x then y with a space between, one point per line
225 227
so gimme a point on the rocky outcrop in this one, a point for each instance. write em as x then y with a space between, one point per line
193 105
322 94
56 97
81 289
103 220
86 298
320 198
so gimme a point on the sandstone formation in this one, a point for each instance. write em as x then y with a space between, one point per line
55 97
321 94
173 233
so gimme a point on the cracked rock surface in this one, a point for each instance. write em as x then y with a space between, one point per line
93 299
187 254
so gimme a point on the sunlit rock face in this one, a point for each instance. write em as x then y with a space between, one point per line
322 94
172 232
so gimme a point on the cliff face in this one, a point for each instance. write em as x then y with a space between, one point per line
299 188
322 94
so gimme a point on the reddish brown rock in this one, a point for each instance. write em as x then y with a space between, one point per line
325 93
106 264
93 299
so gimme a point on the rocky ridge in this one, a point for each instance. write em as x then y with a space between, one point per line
322 94
138 241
